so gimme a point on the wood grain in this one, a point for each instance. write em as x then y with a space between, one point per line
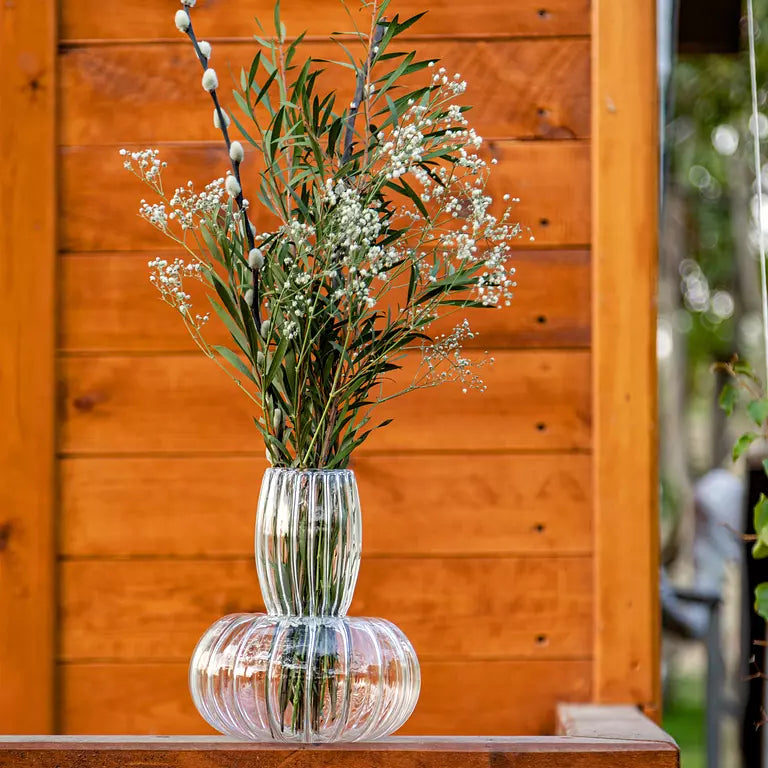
627 667
27 380
151 93
147 19
396 752
413 505
598 721
185 403
108 305
550 178
482 698
450 608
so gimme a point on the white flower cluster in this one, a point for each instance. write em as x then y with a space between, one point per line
145 164
187 205
445 360
168 278
455 87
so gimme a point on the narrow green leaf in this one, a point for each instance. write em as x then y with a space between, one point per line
265 87
254 69
277 359
235 362
758 410
742 444
729 396
231 325
761 600
760 518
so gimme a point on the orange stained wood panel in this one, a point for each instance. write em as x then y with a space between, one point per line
458 608
550 178
151 93
625 239
107 304
482 698
429 505
27 358
85 20
185 403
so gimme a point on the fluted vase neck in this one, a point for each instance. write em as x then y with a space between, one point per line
308 541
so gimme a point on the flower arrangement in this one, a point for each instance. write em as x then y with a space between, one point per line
384 226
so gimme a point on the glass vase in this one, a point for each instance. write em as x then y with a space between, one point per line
305 671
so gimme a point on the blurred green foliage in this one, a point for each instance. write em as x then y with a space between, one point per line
709 153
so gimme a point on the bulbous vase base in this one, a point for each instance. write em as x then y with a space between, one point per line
304 678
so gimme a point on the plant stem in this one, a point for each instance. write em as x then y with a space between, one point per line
256 306
362 79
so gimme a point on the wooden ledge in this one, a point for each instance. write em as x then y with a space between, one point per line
595 721
591 737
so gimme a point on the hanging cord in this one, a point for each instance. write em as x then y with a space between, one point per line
758 177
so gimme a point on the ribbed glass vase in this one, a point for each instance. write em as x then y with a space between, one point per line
305 671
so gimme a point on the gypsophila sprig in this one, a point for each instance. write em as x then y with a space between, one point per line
381 225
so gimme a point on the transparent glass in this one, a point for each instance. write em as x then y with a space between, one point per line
305 671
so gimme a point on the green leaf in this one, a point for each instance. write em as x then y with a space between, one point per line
742 444
765 466
234 330
333 135
758 410
761 600
729 396
405 189
274 132
254 69
278 23
414 278
235 362
277 359
222 290
409 22
760 520
265 87
759 550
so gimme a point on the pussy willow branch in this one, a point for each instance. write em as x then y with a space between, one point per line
362 76
255 307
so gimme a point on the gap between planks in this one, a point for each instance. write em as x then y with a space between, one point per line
477 37
245 557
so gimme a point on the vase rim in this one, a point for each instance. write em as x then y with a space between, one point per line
309 471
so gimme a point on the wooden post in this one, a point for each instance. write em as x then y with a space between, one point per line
625 223
27 345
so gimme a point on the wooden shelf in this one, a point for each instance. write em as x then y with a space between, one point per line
590 737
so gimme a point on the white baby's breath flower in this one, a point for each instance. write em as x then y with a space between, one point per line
182 21
205 48
210 81
236 152
232 186
256 259
217 122
249 297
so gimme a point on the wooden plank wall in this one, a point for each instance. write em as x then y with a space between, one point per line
478 508
27 350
